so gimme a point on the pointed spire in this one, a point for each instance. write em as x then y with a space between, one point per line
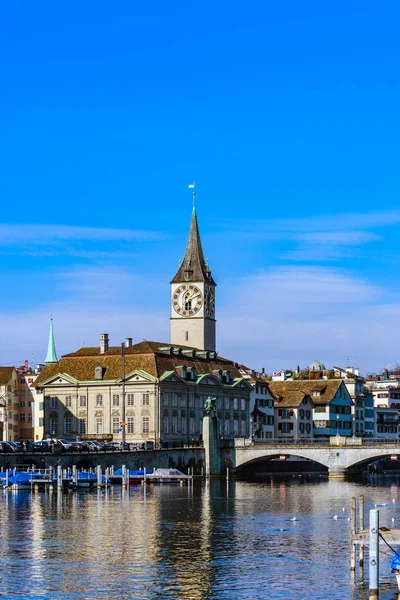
193 266
51 349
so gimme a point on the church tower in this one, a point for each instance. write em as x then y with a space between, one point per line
51 348
193 297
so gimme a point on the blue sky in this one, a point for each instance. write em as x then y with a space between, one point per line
285 114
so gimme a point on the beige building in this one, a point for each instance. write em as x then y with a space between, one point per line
9 404
151 391
31 405
293 411
165 388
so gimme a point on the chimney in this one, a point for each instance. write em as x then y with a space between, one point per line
128 342
103 343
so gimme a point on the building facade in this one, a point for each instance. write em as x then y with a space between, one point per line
332 404
294 416
9 404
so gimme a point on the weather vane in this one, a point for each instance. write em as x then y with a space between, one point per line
193 186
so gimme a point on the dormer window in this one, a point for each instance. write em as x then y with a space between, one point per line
316 393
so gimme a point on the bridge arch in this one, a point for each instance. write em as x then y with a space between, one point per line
339 460
257 455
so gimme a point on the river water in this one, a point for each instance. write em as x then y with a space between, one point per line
213 540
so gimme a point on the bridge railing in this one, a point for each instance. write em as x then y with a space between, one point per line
346 441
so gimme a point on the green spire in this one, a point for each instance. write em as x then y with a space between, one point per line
51 350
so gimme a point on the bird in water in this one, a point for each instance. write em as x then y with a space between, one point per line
293 519
335 517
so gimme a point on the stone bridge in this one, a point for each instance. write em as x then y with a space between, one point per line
339 459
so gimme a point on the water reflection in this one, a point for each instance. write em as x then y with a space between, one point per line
212 540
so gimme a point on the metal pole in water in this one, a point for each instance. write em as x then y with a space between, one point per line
124 477
99 476
353 531
227 473
59 478
144 476
6 477
107 473
373 554
361 524
74 476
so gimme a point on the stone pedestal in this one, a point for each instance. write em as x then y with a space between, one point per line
211 445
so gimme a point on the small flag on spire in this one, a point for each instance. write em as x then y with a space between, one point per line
192 186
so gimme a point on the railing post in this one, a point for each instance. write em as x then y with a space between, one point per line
361 524
353 531
374 554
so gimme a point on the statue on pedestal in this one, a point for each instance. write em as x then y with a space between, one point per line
210 405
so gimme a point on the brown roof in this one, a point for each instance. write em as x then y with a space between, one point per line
293 399
193 261
152 357
327 388
5 374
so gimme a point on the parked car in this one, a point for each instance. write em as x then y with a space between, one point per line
17 446
6 447
95 446
43 446
79 447
65 445
116 446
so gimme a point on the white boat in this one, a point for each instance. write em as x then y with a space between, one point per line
167 476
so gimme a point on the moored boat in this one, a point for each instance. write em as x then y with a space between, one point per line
135 477
167 476
395 567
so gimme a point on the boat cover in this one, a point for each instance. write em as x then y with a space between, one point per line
395 563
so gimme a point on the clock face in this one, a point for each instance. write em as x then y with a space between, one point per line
187 300
209 302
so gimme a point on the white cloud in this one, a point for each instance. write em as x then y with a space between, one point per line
311 223
280 318
342 238
291 316
41 235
